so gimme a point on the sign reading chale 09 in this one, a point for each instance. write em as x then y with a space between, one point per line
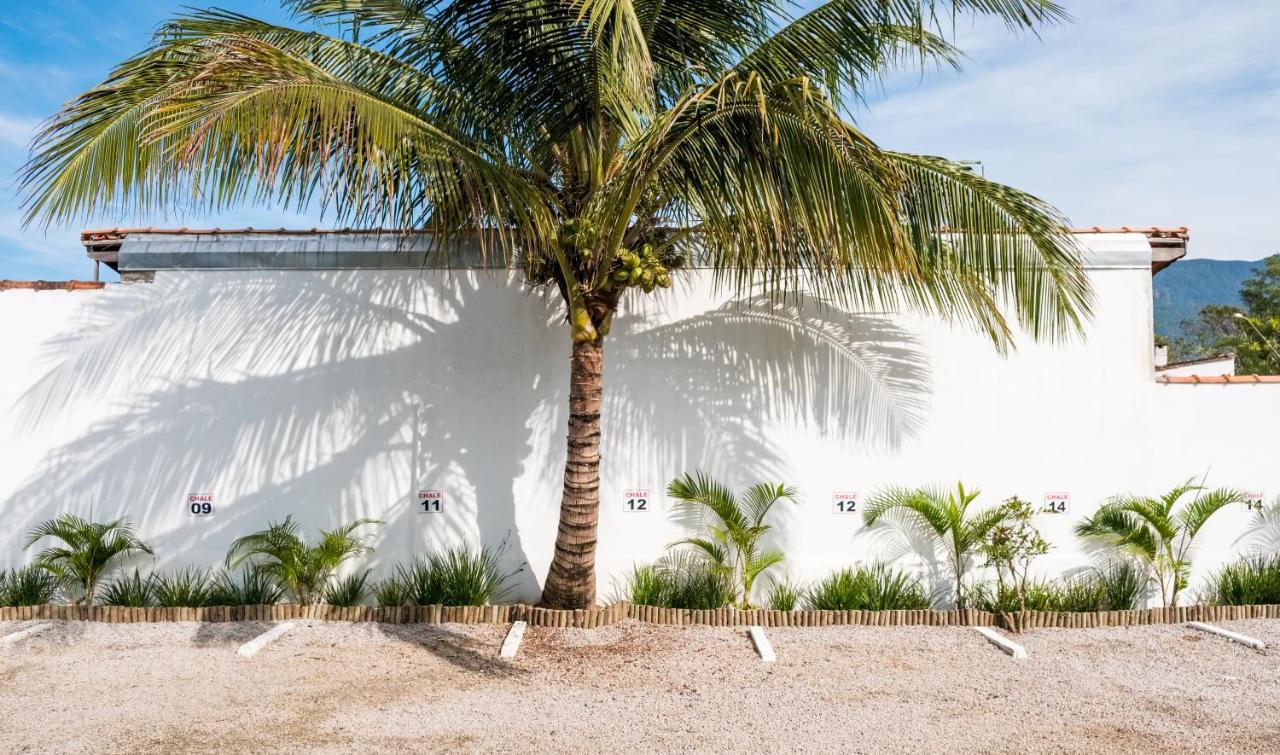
199 504
430 501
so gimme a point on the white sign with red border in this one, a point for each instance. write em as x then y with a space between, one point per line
1057 503
199 504
636 501
430 501
844 502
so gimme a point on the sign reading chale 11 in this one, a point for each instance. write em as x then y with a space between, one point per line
199 504
430 501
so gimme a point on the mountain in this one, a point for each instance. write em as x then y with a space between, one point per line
1181 289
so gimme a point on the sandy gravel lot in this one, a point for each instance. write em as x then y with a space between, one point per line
344 688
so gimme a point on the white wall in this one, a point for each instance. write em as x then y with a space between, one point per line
332 395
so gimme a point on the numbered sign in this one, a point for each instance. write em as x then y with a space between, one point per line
1254 500
430 501
636 501
1057 503
199 504
844 502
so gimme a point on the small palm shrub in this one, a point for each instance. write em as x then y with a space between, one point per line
1250 581
867 588
347 591
680 580
250 588
734 527
27 586
947 517
459 576
301 569
785 596
88 551
185 588
131 590
1159 531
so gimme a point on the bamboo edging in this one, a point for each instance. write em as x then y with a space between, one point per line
604 616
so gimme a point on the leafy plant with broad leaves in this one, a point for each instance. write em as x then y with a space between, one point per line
1159 531
27 586
88 551
303 570
734 527
944 517
1011 545
599 146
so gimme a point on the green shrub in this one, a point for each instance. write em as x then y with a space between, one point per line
27 586
681 580
88 551
785 596
301 568
1250 581
251 588
459 576
185 588
1118 586
347 591
132 590
867 588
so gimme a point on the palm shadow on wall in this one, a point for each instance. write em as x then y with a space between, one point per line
336 395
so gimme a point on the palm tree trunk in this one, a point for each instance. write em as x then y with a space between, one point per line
571 581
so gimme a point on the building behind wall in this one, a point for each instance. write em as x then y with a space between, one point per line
331 375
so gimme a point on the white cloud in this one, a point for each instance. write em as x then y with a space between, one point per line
1152 113
16 133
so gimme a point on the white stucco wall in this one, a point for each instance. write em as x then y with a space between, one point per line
333 395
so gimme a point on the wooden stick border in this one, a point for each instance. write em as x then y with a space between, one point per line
598 617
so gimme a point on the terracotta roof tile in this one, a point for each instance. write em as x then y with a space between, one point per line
1219 379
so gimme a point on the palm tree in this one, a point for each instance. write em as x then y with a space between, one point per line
944 517
736 527
304 570
88 550
1158 531
597 145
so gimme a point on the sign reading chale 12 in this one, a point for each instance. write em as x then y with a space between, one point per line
430 501
1254 500
199 504
635 500
1057 503
844 502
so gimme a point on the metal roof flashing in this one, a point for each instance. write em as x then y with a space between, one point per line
151 249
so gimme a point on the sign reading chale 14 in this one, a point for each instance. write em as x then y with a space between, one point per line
635 500
430 501
844 502
1057 503
1254 500
199 504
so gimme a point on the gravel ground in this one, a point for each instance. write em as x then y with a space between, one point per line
358 687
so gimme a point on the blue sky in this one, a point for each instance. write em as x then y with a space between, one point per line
1148 112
